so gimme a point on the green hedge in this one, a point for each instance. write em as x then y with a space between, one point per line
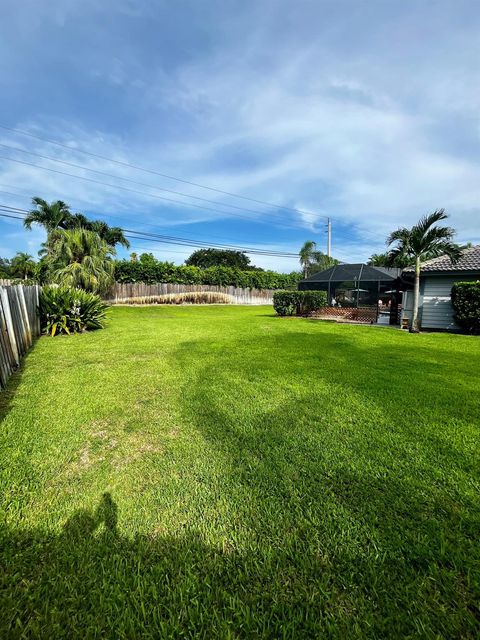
289 303
466 305
155 271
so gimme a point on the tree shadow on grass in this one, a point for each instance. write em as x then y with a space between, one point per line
396 535
332 541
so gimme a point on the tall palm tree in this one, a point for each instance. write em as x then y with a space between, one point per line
22 265
422 242
77 220
80 258
307 256
50 216
384 260
111 235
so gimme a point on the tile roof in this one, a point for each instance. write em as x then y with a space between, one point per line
470 261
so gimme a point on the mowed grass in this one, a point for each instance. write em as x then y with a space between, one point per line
219 472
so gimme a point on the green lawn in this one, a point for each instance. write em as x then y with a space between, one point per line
223 473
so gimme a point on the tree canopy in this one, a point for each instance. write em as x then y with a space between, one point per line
80 258
384 260
312 260
56 216
205 258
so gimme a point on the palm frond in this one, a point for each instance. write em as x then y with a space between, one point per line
399 235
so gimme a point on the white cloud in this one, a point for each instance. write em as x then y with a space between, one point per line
346 118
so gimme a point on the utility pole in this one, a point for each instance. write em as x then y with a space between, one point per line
329 237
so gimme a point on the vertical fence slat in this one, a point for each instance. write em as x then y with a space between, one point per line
19 324
123 292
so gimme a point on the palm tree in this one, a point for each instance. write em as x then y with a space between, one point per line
50 216
307 256
111 235
422 242
384 260
77 220
22 265
80 258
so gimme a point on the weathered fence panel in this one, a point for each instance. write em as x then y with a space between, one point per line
127 291
19 325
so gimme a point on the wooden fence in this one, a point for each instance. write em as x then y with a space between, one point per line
19 325
125 292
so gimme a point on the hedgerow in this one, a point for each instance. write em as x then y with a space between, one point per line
155 271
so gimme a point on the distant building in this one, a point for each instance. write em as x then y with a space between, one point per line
374 292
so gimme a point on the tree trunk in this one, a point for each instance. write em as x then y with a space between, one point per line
416 298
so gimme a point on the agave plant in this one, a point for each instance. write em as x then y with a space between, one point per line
69 310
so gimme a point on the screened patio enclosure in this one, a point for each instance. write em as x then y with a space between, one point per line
374 289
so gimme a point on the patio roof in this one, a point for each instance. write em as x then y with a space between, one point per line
360 272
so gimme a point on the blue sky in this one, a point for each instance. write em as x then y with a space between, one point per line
367 112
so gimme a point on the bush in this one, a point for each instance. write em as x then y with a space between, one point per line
311 301
69 310
288 303
466 305
152 271
285 302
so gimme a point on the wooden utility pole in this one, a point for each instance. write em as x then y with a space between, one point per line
329 237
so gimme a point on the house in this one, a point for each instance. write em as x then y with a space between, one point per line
360 292
436 280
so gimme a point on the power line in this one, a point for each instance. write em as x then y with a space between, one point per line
162 175
142 184
189 242
361 231
4 215
153 172
111 215
142 236
143 193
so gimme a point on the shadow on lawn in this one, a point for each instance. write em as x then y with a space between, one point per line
342 544
90 581
7 395
396 535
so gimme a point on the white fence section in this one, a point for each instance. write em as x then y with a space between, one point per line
19 325
131 291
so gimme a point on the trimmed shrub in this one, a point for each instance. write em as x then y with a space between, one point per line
466 305
289 303
69 310
285 302
311 301
153 271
